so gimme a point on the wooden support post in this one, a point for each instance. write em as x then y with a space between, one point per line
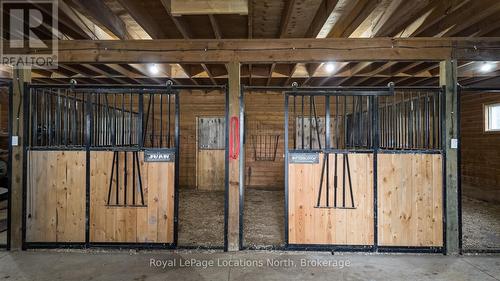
20 76
233 230
448 78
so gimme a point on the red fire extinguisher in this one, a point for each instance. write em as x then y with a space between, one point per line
234 138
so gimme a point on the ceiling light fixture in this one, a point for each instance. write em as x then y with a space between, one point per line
487 66
153 69
329 67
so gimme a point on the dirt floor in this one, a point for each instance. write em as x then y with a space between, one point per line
481 224
201 218
264 223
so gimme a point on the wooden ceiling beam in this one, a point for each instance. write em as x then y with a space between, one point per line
321 18
278 50
285 17
349 21
103 15
464 15
271 70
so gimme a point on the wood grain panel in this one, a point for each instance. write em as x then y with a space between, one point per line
153 223
55 196
410 190
310 225
211 169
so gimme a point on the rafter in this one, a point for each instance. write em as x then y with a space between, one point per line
103 15
285 17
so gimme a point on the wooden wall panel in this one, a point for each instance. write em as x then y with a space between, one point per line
310 225
55 196
194 104
410 200
480 150
211 169
151 224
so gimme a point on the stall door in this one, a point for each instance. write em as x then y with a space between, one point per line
210 153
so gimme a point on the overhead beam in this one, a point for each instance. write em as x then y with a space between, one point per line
203 7
278 50
98 10
285 18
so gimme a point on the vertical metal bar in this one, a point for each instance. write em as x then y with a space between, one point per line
139 176
344 113
74 123
327 145
302 125
125 179
130 119
32 138
359 125
318 203
66 119
434 125
122 115
427 121
350 181
336 123
161 119
286 168
295 122
177 159
168 125
49 111
316 121
111 178
310 123
417 121
113 134
153 121
343 180
117 177
140 122
58 122
133 178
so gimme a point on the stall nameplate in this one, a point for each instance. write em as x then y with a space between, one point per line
159 155
304 158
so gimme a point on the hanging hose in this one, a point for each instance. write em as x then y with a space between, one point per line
234 138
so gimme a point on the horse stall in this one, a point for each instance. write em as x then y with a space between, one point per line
104 166
362 169
202 182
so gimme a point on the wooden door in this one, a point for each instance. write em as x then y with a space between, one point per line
211 137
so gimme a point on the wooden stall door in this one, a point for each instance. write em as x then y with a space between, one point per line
410 200
210 153
308 224
150 221
55 199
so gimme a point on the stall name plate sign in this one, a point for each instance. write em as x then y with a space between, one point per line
159 155
304 158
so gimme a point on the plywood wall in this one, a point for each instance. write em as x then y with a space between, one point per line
410 200
55 196
480 150
152 224
310 225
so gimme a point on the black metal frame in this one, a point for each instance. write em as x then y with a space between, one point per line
371 92
9 164
108 89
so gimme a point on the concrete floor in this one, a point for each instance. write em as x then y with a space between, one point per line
95 265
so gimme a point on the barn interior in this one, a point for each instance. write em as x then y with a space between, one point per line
86 26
